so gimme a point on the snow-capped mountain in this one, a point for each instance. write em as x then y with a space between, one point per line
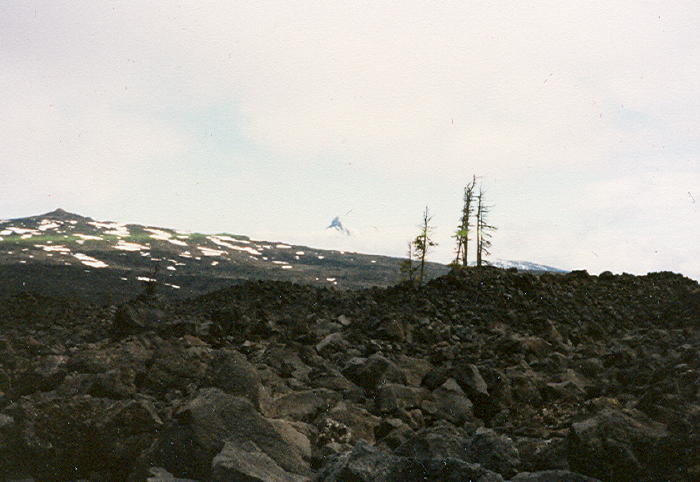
523 266
61 252
337 225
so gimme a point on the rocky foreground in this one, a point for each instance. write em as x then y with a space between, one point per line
481 375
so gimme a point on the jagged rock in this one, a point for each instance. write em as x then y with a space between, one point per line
591 367
360 422
370 373
471 381
393 396
231 372
534 346
391 329
500 389
331 343
324 452
118 383
69 438
200 428
286 361
435 377
494 451
133 352
567 390
246 462
159 474
366 463
331 379
363 463
131 319
298 434
451 403
393 432
128 428
450 470
524 385
414 368
44 375
303 405
414 418
440 441
552 476
4 380
615 444
175 366
542 454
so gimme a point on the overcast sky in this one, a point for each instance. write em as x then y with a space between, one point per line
270 118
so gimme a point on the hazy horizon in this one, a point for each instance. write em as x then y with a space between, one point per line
268 119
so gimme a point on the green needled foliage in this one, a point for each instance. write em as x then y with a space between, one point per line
423 243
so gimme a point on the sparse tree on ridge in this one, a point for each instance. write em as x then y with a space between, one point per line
151 282
484 230
465 225
406 267
423 243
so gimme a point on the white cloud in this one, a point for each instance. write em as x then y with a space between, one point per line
381 107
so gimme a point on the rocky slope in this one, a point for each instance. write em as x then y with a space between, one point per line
482 374
65 254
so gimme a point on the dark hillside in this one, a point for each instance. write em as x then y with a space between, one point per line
65 254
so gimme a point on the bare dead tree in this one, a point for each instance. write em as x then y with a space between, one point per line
423 243
465 224
406 267
484 230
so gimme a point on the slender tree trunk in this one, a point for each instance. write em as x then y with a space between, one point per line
465 240
479 234
466 216
423 243
422 260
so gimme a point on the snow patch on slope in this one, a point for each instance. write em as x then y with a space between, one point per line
90 261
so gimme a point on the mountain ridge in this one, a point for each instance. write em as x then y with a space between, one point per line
60 252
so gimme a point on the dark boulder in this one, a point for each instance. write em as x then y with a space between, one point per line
393 396
494 451
131 319
370 464
615 445
247 462
437 442
44 374
552 476
201 427
231 372
175 366
450 403
77 437
303 405
370 373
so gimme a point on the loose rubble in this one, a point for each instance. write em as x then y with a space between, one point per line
482 374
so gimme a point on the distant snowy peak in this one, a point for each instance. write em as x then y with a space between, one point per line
337 225
523 265
58 214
